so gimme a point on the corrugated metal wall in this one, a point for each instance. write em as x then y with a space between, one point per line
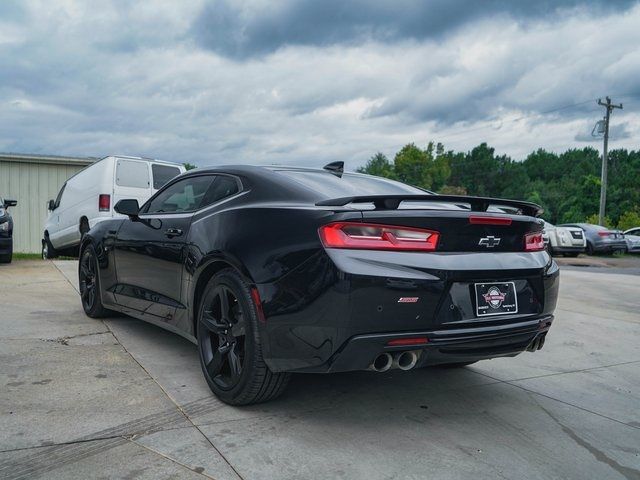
32 185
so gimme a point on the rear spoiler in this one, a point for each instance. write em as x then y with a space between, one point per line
478 204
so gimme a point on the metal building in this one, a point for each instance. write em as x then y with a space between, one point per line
32 180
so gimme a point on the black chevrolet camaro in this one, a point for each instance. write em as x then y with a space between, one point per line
273 270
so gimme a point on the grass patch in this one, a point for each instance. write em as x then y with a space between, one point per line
37 256
26 256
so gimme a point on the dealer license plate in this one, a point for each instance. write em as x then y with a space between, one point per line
497 298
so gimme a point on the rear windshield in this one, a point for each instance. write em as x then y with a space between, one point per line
350 185
162 174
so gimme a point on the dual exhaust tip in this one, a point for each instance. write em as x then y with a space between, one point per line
401 360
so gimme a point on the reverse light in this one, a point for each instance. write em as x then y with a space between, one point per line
533 242
104 202
372 236
405 342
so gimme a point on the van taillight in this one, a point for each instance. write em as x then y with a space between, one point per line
104 202
371 236
533 242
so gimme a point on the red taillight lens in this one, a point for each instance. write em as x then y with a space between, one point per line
104 202
484 220
404 342
604 233
371 236
533 242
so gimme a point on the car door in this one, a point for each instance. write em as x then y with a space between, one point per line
149 251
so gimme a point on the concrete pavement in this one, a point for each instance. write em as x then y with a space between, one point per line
84 398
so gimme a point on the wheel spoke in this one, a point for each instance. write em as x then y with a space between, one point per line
85 270
223 298
214 365
211 323
235 364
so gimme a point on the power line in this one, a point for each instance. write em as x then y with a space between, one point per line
523 117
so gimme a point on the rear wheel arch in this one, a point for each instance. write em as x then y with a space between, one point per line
206 273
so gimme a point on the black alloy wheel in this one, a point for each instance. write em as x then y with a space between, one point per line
229 343
90 284
224 338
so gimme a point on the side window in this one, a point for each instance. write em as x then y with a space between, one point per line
130 173
183 196
59 197
222 187
162 174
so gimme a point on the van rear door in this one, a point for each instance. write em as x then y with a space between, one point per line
132 180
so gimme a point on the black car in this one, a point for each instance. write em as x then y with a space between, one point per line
6 230
273 270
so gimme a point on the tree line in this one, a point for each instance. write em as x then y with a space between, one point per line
566 185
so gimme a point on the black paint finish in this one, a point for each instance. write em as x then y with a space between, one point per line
328 309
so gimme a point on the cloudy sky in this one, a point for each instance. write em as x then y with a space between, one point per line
307 82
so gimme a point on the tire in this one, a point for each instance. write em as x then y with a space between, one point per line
7 257
48 252
590 250
229 344
89 279
83 227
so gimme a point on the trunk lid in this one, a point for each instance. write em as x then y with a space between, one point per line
463 230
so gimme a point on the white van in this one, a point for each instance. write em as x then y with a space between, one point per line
89 196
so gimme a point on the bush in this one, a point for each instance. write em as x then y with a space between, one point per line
629 220
593 219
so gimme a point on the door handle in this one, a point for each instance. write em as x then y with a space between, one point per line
173 232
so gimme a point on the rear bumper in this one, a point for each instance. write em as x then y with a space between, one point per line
610 246
336 313
443 346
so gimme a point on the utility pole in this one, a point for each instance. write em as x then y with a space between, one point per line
603 180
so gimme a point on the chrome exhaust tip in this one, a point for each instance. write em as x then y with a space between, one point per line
381 363
405 360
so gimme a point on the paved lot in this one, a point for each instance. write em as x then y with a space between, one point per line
81 398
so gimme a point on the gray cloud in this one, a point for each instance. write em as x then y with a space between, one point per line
334 83
241 30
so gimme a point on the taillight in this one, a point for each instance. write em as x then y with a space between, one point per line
104 202
371 236
604 233
533 242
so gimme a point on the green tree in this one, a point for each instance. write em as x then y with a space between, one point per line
189 166
378 165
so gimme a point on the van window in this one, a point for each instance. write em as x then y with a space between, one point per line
130 173
162 174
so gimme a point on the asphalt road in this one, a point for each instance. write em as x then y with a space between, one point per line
83 398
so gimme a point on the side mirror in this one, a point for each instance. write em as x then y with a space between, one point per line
128 207
10 203
51 205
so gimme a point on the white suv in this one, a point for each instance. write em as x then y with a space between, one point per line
89 196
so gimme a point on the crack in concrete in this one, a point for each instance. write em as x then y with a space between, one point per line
65 340
627 472
171 459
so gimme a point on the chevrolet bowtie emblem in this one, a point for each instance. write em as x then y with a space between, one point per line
489 242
